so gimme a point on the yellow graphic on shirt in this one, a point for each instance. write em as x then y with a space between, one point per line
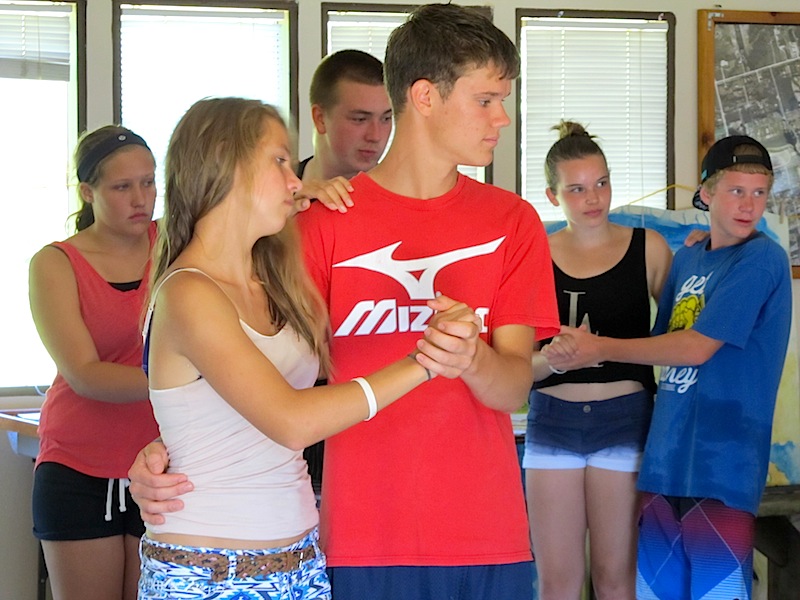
686 312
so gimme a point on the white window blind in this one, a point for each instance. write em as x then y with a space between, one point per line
39 91
366 31
369 32
35 41
172 56
609 75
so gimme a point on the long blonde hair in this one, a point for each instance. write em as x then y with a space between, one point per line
210 141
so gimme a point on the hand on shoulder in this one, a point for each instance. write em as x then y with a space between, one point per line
334 194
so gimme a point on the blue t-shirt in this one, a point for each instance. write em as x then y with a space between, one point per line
712 425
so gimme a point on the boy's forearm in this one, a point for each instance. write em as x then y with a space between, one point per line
501 375
686 347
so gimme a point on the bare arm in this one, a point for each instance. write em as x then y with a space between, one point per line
658 258
53 294
156 492
209 338
501 376
541 366
581 349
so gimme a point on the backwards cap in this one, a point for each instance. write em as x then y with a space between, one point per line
721 156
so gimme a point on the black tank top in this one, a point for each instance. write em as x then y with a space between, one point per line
614 304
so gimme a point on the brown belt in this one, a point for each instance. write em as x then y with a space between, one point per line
246 565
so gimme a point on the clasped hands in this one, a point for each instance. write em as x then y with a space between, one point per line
573 348
450 342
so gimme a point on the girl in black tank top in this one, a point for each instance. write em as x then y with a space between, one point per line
586 428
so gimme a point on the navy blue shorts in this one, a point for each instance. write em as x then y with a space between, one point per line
586 427
481 582
68 505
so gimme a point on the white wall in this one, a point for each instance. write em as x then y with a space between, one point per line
17 547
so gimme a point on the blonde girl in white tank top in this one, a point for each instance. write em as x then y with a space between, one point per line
230 279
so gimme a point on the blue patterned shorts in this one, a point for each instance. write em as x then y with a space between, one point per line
170 581
694 548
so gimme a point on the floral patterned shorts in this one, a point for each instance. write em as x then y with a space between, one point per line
174 572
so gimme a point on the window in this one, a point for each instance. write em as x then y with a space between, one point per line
40 87
367 27
361 29
170 55
613 73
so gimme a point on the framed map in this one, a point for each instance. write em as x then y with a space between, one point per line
749 84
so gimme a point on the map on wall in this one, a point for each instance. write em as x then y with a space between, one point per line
674 225
757 93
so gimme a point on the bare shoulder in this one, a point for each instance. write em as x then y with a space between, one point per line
192 320
188 295
49 255
656 245
52 265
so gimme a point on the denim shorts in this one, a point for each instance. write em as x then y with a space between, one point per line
70 505
588 427
162 580
624 458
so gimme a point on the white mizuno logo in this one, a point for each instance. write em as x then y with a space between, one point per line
421 288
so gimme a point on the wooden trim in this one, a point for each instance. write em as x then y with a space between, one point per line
11 421
707 21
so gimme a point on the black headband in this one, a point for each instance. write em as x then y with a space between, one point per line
89 162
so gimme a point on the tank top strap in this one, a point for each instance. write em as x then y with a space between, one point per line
636 254
635 250
149 315
637 241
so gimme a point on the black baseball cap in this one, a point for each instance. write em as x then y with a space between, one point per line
721 156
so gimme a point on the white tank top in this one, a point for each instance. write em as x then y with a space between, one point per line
246 486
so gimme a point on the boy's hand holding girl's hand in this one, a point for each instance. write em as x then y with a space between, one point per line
573 349
450 341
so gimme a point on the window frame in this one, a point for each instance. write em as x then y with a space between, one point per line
522 13
287 5
80 26
326 7
80 57
38 390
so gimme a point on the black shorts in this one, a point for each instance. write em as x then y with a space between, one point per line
68 505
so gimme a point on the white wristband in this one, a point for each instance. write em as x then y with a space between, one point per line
372 402
556 371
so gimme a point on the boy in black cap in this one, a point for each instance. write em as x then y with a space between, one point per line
721 332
